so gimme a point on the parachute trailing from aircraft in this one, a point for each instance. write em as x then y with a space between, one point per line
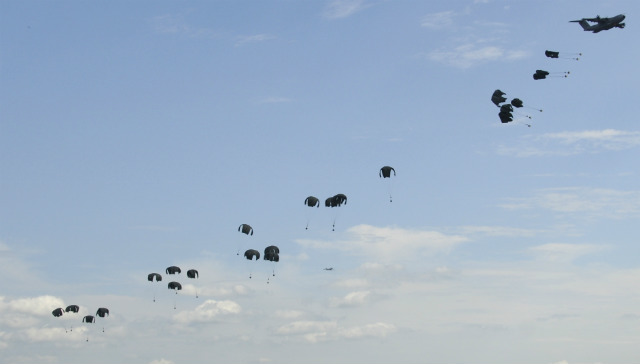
541 74
498 97
555 54
173 270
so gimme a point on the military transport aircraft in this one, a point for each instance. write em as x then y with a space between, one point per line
601 23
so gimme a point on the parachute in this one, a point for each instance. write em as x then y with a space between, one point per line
335 201
102 312
192 273
250 254
385 172
271 254
173 270
246 229
89 319
541 74
498 97
517 103
72 308
157 278
57 312
310 201
154 276
175 286
555 54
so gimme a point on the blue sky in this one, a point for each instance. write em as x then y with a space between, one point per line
139 135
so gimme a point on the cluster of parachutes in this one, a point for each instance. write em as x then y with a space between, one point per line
89 319
271 254
506 110
542 74
173 285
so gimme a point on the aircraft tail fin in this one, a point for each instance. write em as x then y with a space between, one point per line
584 23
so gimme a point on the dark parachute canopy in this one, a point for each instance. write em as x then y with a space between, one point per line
192 273
249 254
555 54
57 312
498 97
385 172
505 113
89 319
246 229
541 74
102 312
271 253
173 270
517 103
336 201
175 286
312 201
154 276
72 308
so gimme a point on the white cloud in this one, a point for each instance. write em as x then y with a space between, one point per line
596 202
176 25
388 244
255 38
558 252
316 331
208 311
438 20
378 329
343 8
40 306
352 299
498 231
468 55
352 283
161 361
572 143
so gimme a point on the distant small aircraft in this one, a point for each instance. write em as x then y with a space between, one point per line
330 268
601 23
